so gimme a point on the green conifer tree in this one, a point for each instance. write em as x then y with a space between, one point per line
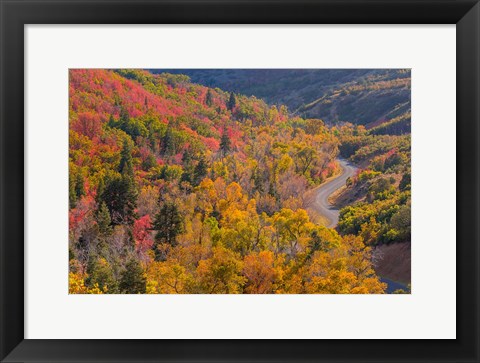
111 121
79 185
126 160
187 157
168 224
209 98
100 190
149 162
124 119
100 272
168 142
257 180
225 143
200 170
133 279
188 168
104 221
120 196
72 192
232 101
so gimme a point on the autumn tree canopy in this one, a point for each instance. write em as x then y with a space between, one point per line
179 188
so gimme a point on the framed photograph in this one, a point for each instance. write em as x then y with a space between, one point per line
239 181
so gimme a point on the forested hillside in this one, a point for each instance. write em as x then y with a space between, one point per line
360 96
379 208
175 187
376 203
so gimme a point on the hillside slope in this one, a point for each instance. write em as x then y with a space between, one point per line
175 187
359 96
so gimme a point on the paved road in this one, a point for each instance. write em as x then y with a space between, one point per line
392 286
323 207
321 203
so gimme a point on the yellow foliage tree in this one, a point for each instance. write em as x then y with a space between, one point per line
261 272
293 230
76 285
221 274
168 277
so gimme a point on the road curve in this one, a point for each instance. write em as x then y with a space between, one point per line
321 204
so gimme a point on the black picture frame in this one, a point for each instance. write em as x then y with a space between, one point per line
15 14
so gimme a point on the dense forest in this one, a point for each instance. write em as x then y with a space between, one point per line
175 187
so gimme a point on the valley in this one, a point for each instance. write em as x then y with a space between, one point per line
180 186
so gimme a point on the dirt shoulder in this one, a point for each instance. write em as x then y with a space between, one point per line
393 261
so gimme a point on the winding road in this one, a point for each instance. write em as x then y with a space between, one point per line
321 204
323 207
